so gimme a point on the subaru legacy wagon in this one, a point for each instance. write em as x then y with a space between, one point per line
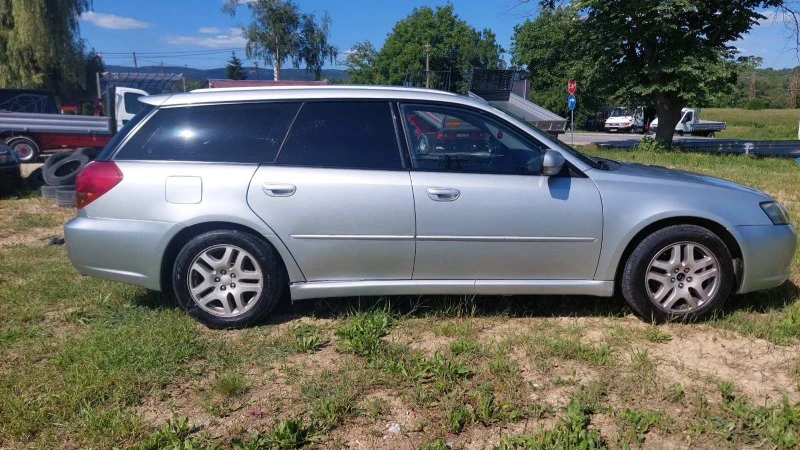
225 198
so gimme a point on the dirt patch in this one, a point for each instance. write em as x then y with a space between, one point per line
31 221
759 369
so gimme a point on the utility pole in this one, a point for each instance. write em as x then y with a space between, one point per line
427 65
162 67
134 62
753 87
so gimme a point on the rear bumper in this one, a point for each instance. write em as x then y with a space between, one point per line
767 253
128 251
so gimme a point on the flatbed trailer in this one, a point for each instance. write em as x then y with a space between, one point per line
30 134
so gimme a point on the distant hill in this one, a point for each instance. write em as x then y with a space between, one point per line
204 74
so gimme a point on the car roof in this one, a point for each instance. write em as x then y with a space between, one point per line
228 95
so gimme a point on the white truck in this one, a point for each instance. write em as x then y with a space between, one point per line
690 124
625 120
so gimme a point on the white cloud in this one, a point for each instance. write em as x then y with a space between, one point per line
209 30
113 22
232 39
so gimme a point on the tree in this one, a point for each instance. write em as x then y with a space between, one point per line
280 33
455 46
549 49
234 70
314 46
672 52
40 44
360 63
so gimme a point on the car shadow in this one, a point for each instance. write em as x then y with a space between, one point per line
457 306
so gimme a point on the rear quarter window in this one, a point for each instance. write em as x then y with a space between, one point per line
241 133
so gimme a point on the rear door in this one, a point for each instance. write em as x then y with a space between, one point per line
338 195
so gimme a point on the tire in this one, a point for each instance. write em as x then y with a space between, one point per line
65 197
35 179
423 144
54 158
27 149
654 258
253 254
64 171
89 152
49 191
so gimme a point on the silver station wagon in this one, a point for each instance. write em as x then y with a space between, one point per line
224 198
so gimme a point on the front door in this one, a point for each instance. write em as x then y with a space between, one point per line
484 212
338 195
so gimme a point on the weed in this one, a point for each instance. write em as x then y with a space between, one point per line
230 384
288 434
438 444
655 334
173 435
305 338
571 432
635 424
446 369
463 345
361 334
459 416
676 393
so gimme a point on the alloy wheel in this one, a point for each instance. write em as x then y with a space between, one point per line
682 277
225 280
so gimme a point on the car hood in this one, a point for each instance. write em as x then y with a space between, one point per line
667 174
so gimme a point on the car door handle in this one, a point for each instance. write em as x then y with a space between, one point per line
443 194
279 189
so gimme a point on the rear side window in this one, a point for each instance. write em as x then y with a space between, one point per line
345 135
123 132
242 133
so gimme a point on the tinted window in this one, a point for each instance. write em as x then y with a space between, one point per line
123 132
353 135
459 140
243 133
132 103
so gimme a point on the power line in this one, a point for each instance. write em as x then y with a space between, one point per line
176 53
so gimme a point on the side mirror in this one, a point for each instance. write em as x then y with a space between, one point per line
552 162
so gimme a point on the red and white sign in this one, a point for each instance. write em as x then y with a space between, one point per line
571 86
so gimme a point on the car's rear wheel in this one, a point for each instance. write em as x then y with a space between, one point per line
227 279
27 149
681 272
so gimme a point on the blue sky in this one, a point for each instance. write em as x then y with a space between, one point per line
158 30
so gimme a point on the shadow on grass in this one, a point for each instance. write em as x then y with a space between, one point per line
455 306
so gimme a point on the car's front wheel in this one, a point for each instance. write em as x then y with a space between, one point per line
227 279
681 272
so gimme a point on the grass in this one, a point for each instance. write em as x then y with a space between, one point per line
768 124
86 363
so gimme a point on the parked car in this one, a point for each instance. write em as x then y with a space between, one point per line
10 176
227 198
30 123
691 124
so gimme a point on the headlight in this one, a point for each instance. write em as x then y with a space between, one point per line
776 212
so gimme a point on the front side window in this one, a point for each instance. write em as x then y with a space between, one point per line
344 135
241 133
443 138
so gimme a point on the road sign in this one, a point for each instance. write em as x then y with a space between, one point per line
571 86
571 102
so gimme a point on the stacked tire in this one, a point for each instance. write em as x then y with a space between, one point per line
59 172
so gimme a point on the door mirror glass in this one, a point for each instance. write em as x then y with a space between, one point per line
552 163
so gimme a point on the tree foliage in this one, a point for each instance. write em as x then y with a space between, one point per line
40 44
279 33
360 63
549 49
234 69
671 52
455 46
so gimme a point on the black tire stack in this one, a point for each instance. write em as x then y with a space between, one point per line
59 172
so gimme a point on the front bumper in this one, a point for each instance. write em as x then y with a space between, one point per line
767 254
617 129
128 251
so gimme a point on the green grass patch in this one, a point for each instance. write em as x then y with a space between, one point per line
755 124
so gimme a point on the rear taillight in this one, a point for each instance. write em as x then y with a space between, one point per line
97 178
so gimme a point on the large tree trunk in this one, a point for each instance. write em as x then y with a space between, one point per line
668 111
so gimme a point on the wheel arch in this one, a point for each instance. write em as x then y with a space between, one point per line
186 234
720 230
